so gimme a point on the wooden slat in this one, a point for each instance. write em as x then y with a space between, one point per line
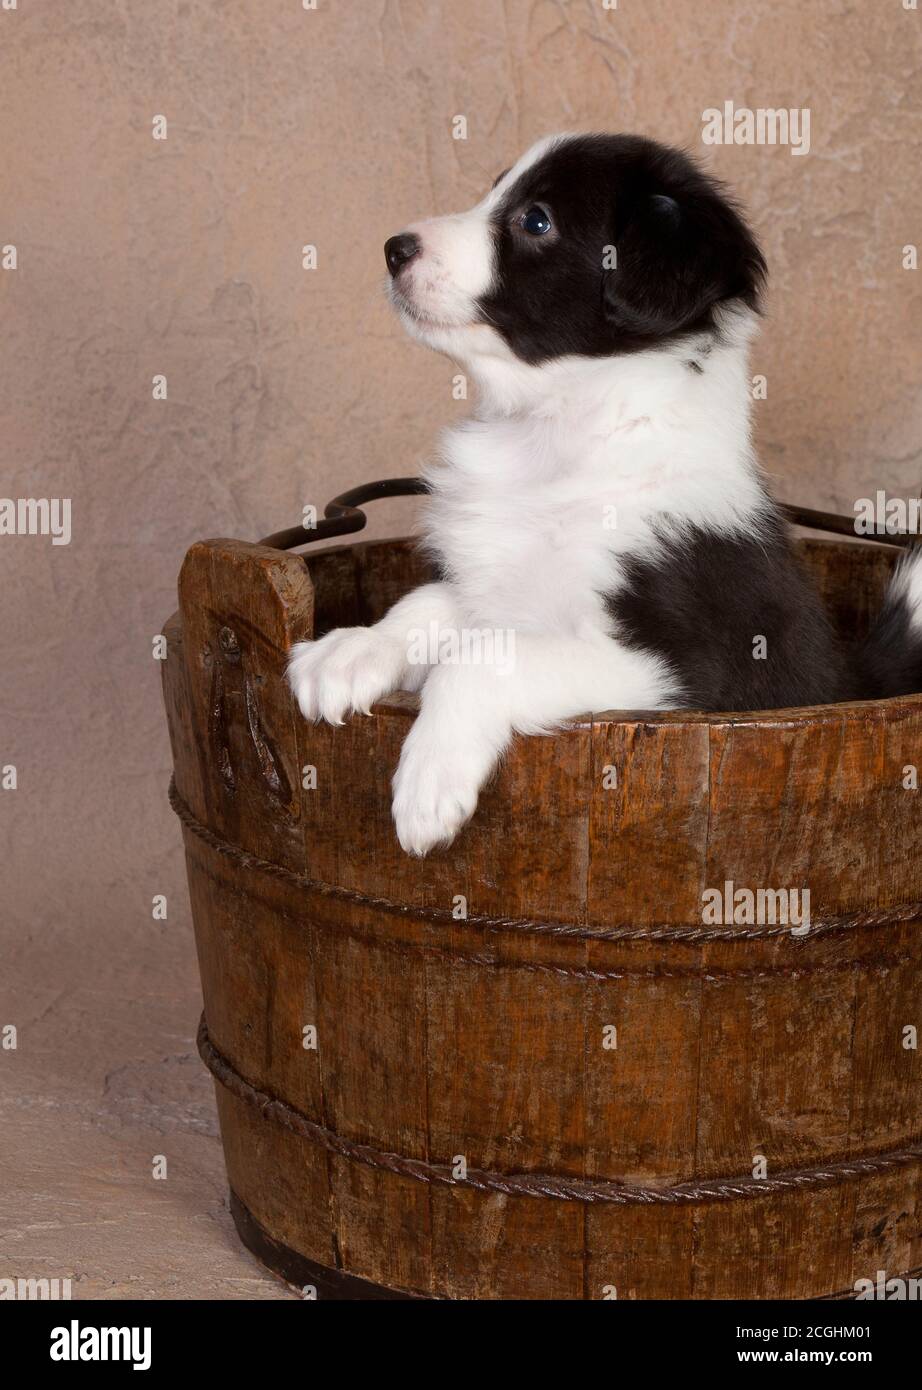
500 863
242 606
778 1247
774 1072
280 1177
796 805
639 1252
496 1247
256 952
648 832
641 1097
371 1005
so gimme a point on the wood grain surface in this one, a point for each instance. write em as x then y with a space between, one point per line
466 1041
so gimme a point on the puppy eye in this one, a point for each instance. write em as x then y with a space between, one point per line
536 222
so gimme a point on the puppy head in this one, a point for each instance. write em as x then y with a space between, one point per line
591 245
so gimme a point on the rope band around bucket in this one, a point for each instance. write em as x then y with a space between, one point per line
685 935
548 1185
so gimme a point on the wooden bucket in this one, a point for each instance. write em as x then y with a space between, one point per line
580 1089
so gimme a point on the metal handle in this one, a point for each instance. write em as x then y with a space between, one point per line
343 516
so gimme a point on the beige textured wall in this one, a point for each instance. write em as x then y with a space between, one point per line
332 126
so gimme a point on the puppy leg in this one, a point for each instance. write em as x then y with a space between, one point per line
470 712
351 667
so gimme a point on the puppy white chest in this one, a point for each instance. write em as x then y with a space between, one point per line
525 536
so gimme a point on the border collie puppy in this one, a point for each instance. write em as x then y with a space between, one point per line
602 505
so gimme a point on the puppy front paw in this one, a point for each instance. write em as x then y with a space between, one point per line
435 792
345 671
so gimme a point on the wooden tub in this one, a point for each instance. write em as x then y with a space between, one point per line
581 1089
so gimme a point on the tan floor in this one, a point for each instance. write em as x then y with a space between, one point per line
104 1079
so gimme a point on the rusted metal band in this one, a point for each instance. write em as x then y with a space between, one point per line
549 1185
682 935
299 1272
334 1283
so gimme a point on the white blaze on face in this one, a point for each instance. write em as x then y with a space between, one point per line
438 290
441 285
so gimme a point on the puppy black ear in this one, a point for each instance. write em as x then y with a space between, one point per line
677 257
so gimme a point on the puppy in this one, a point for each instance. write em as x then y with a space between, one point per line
601 510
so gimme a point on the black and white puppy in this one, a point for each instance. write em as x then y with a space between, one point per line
602 505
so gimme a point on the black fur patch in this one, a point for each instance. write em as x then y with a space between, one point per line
681 247
702 600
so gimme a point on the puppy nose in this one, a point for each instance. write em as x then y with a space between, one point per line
398 250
